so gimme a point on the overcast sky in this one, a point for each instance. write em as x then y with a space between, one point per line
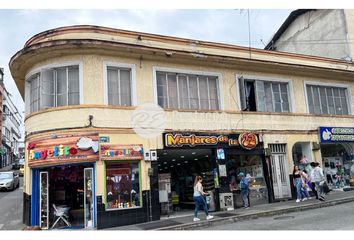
225 26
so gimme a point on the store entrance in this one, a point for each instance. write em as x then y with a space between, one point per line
177 170
66 195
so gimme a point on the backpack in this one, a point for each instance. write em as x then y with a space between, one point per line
243 184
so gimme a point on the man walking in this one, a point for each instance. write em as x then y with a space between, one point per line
318 178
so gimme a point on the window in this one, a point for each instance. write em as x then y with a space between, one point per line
264 96
187 91
54 87
123 185
327 100
119 86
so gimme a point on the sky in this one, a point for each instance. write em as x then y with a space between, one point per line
218 25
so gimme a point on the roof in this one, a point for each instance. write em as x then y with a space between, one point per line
293 15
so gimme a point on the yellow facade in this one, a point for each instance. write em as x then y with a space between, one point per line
154 51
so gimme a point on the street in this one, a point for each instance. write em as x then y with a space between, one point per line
11 209
338 217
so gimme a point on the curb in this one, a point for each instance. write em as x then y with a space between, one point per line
232 219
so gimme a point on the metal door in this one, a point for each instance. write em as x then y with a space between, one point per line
88 197
43 200
280 174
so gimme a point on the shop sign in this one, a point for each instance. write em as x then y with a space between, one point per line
178 140
63 149
104 139
336 134
122 152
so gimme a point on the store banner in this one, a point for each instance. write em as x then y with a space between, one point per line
336 134
122 152
63 149
205 140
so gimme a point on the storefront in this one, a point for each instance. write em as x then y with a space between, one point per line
218 158
337 150
63 180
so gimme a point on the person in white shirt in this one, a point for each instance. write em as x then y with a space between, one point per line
198 196
318 178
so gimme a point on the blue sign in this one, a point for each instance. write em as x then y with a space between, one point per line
336 134
220 153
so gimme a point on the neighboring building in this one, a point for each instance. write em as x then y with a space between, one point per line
323 32
227 109
2 152
11 133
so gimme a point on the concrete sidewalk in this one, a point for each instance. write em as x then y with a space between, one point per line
186 223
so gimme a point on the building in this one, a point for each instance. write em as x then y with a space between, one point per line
10 127
327 33
91 141
2 158
317 32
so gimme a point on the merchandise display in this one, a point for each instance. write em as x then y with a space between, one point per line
122 185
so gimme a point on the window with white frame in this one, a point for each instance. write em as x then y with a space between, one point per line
327 99
119 86
264 96
54 87
187 91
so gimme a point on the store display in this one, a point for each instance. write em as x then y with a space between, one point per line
44 203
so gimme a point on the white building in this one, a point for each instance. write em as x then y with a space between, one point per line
11 130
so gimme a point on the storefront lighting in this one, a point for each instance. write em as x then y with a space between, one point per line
164 162
159 165
195 159
178 164
171 166
185 161
173 160
206 156
193 153
182 156
165 153
160 169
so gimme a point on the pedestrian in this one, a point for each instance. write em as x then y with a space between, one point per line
311 185
244 186
305 187
318 178
298 184
199 199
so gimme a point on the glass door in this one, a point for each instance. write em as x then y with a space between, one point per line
88 197
44 200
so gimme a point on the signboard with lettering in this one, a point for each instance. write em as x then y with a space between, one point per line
204 140
336 134
122 152
63 149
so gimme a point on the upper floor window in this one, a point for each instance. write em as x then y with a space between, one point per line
264 96
119 86
327 100
54 87
187 91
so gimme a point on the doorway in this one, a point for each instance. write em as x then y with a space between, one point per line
279 163
66 196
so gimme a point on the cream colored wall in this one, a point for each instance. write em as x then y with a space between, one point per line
349 13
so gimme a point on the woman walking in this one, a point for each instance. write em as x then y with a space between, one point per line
298 184
198 196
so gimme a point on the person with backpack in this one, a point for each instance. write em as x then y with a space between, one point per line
244 186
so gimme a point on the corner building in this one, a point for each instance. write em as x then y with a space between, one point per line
228 109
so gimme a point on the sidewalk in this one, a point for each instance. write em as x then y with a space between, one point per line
186 223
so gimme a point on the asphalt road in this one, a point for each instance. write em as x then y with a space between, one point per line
338 217
11 207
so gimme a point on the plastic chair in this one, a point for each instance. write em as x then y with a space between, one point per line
61 213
